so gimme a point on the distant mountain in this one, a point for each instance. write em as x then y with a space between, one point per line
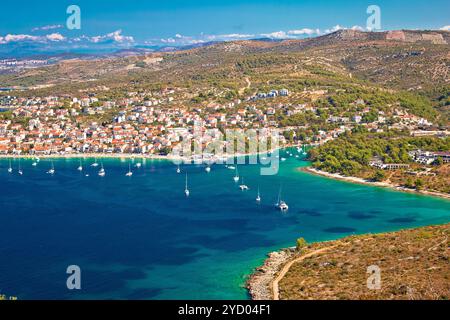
403 59
28 49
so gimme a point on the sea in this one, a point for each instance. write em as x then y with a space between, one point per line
141 238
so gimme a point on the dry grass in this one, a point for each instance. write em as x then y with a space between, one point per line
414 265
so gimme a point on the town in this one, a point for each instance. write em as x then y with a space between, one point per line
153 123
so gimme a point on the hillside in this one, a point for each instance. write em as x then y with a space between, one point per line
414 265
414 60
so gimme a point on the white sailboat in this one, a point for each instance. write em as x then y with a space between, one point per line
52 170
95 164
281 205
236 177
20 169
10 169
304 151
34 164
102 172
80 167
208 169
129 173
243 186
258 197
186 189
138 165
178 170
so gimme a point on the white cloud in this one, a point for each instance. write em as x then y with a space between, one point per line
334 29
115 36
18 38
339 27
276 35
49 27
55 37
445 28
358 28
304 31
168 40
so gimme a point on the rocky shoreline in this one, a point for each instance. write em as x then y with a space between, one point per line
259 283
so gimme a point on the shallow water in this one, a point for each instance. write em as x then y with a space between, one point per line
140 238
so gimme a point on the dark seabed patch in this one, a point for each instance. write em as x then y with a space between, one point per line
402 220
357 215
310 212
340 230
96 282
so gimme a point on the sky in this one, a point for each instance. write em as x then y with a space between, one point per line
177 22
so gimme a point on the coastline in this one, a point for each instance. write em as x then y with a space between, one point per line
374 184
259 282
263 283
133 156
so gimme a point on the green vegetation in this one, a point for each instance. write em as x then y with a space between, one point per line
301 244
351 153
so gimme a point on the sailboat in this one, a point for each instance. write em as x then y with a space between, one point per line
281 205
236 177
34 164
52 170
178 170
95 164
20 169
138 165
258 197
243 186
102 172
129 173
186 189
304 151
10 169
80 168
208 169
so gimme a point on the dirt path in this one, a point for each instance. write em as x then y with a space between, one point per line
249 84
275 283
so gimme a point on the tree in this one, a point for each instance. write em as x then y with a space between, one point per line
379 176
419 184
301 244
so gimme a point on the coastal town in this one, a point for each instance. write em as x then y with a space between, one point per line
153 123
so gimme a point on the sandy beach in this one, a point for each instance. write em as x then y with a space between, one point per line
372 183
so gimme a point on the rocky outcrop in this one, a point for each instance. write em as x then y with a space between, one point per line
259 283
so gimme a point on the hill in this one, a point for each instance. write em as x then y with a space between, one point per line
413 60
413 264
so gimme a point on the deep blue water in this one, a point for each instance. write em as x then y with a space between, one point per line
140 238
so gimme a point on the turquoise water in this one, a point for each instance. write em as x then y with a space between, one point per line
140 238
